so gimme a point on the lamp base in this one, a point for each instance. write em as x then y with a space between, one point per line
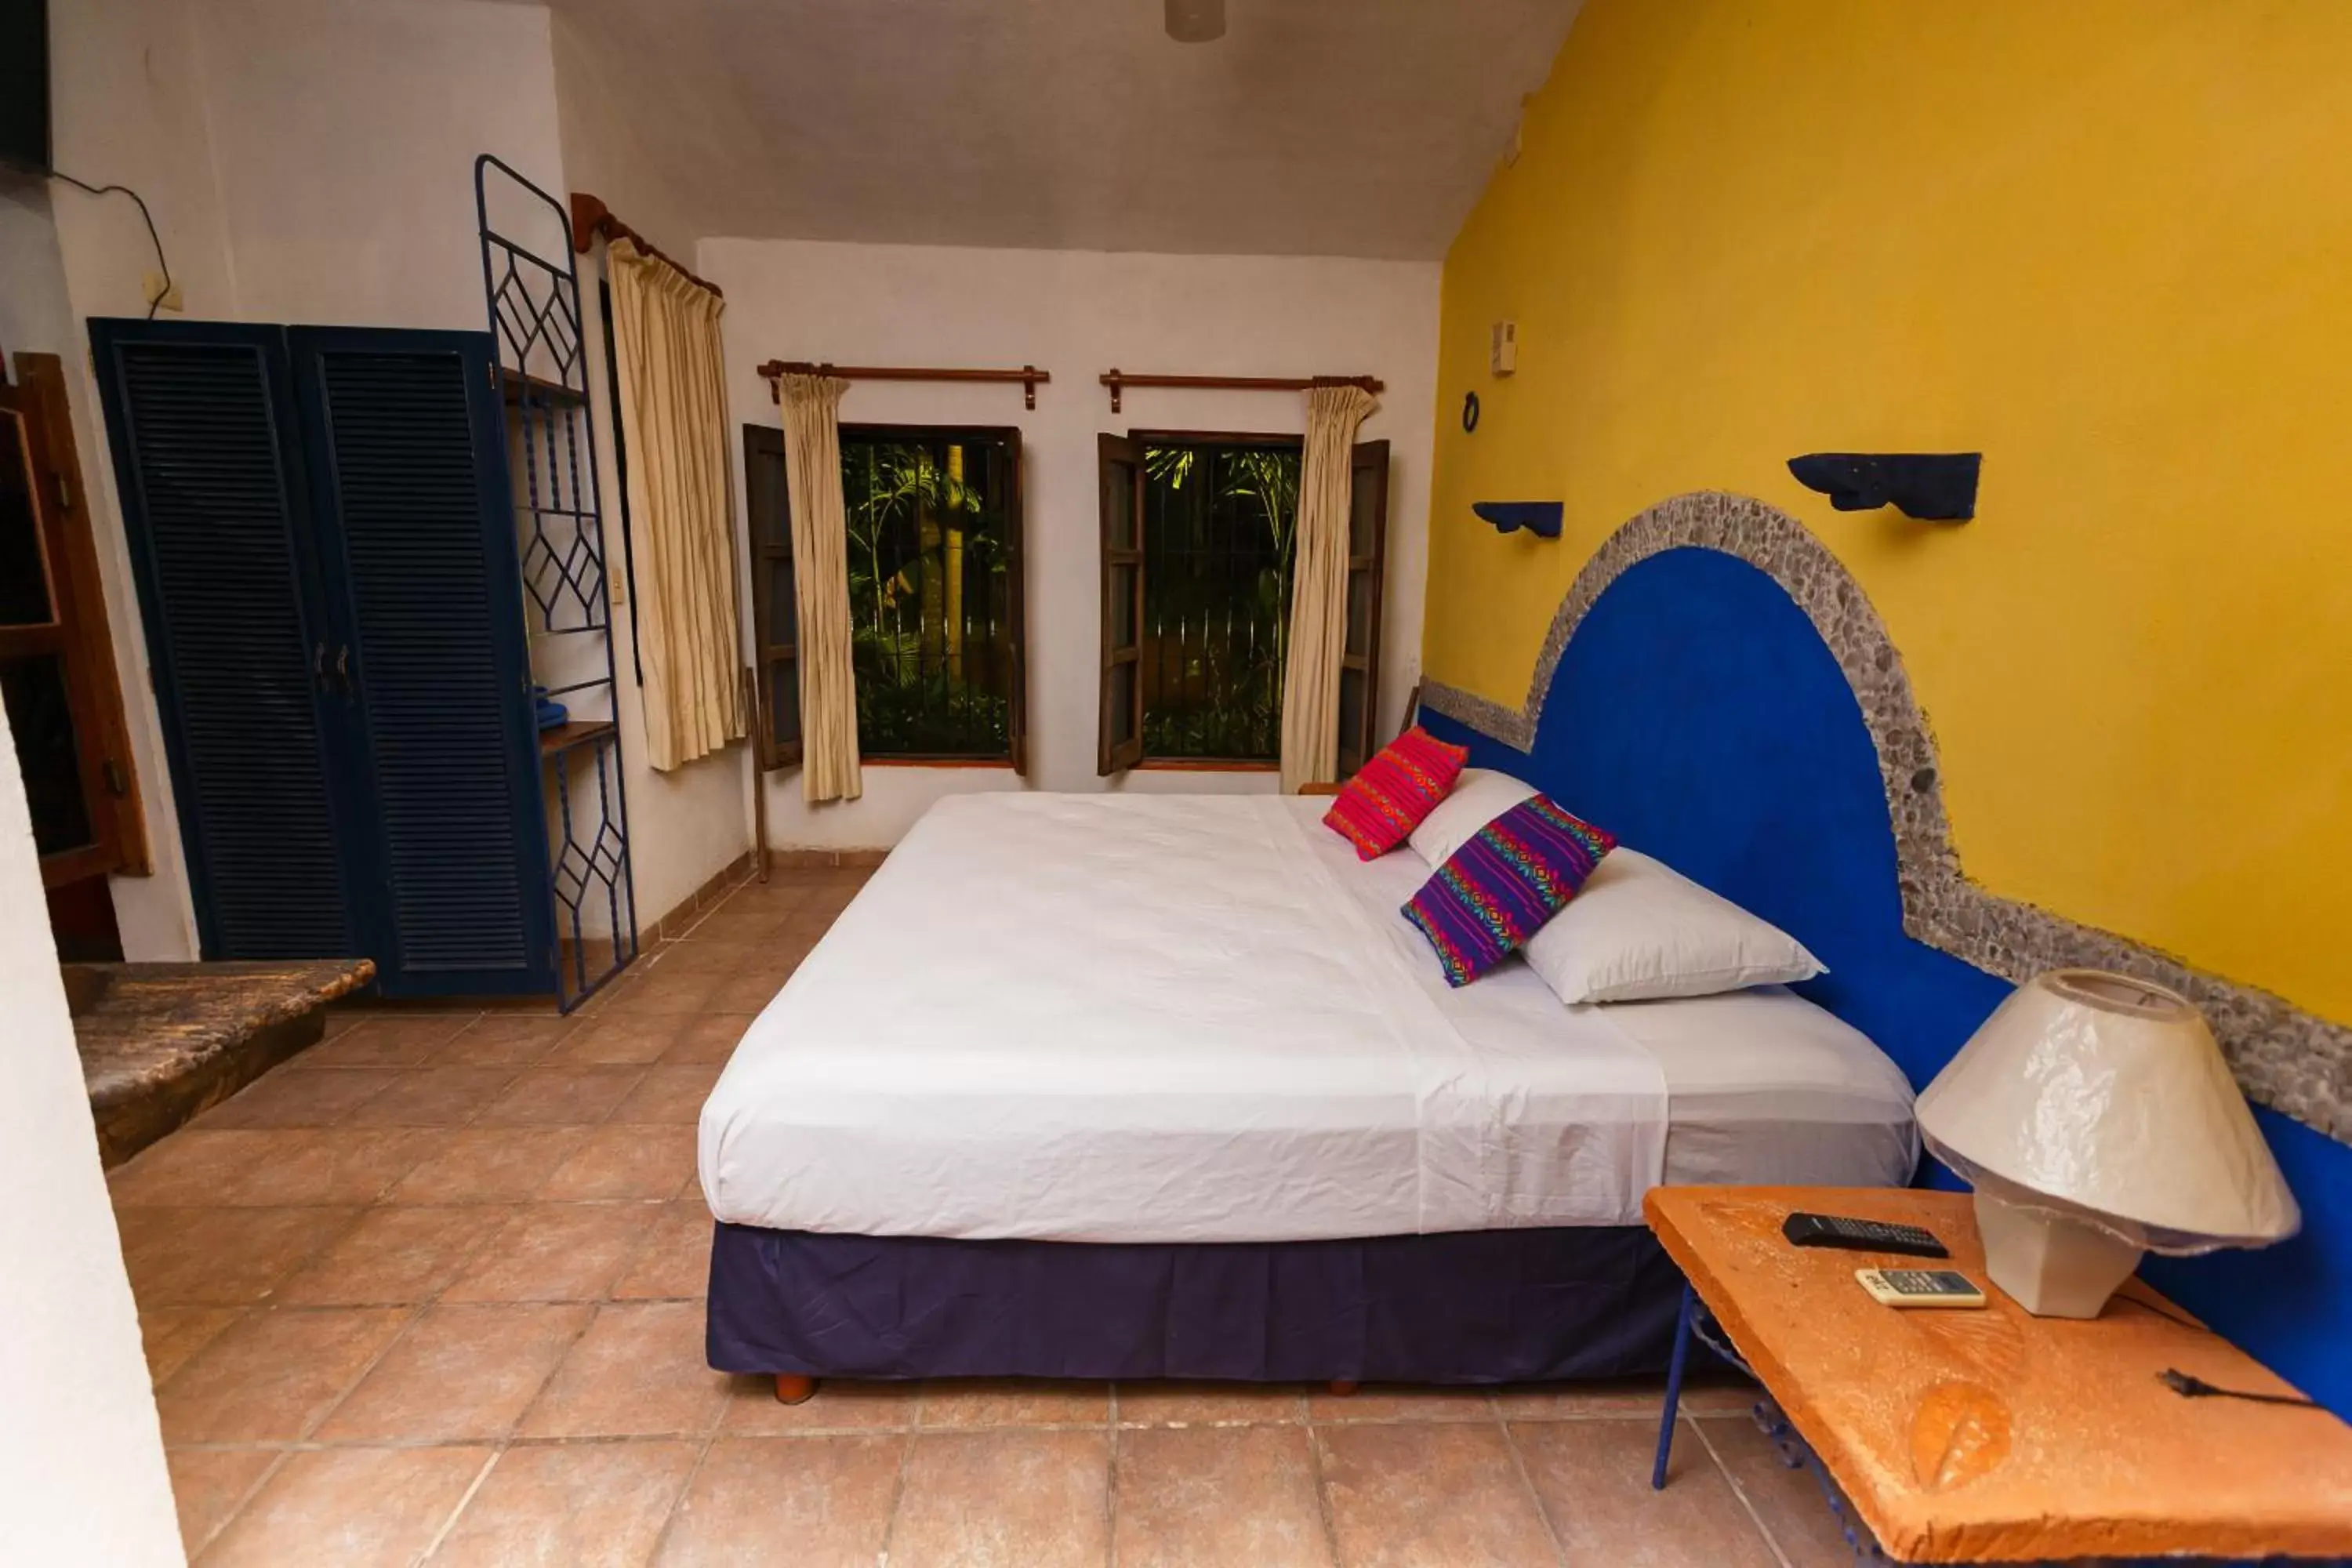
2051 1266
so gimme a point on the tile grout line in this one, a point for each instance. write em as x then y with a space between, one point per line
1322 1484
1110 1478
506 1439
450 1523
307 1435
703 919
1771 1541
303 1435
685 1488
282 1452
898 1481
791 1435
220 1527
1526 1482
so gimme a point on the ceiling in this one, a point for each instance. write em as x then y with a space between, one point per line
1313 127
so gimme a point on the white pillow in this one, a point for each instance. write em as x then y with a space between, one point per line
1639 929
1479 796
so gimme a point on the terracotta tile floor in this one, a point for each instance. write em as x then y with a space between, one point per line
432 1292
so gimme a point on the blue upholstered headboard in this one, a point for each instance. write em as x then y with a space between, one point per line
1696 713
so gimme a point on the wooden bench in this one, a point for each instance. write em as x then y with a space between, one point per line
161 1042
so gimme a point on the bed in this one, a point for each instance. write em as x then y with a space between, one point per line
1130 1086
1192 1035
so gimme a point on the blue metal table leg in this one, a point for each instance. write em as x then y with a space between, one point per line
1674 1388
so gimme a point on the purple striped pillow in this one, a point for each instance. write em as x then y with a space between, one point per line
1498 889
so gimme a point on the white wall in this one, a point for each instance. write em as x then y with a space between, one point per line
81 1455
35 311
343 137
687 825
309 161
127 107
1078 313
306 160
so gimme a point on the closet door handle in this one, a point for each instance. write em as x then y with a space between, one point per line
344 668
319 665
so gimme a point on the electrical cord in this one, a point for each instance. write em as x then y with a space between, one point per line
2188 1387
2183 1319
153 239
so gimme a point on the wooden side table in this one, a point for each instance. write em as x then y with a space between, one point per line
1992 1436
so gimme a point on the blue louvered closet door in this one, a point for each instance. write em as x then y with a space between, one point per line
201 422
323 538
404 439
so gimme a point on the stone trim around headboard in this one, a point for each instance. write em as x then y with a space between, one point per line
2292 1061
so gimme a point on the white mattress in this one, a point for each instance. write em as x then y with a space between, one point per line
1195 1018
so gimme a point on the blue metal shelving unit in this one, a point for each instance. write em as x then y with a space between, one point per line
543 375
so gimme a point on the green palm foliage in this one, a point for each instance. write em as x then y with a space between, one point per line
1220 540
930 642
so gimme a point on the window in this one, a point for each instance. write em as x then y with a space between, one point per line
1198 534
57 660
935 599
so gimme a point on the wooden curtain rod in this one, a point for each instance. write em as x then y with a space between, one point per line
1028 375
591 219
1116 379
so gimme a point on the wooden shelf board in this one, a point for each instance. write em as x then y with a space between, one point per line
512 386
563 737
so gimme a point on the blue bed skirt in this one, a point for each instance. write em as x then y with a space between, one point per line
1503 1306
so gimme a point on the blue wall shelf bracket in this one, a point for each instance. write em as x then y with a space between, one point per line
1933 486
1540 518
531 290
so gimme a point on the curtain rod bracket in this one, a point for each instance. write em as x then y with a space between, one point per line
592 219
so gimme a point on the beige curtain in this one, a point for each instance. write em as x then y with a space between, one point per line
1318 589
821 580
674 423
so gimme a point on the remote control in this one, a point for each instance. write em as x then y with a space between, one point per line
1919 1288
1861 1236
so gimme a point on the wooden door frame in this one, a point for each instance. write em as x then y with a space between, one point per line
79 633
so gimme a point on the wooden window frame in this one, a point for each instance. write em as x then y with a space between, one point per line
1364 456
773 658
773 661
1355 751
78 633
1122 663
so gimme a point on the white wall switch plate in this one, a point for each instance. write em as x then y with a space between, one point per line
1503 348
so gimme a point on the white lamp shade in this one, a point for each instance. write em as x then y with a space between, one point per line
2107 1097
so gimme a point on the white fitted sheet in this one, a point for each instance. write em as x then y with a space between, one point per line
1196 1018
1762 1086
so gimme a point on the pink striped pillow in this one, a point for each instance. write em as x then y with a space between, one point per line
1379 807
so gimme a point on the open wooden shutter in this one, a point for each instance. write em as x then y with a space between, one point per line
1359 656
200 418
56 659
1119 739
774 607
1016 571
405 443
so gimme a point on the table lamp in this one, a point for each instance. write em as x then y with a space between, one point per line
2096 1119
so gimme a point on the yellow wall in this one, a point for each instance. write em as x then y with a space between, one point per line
2108 243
